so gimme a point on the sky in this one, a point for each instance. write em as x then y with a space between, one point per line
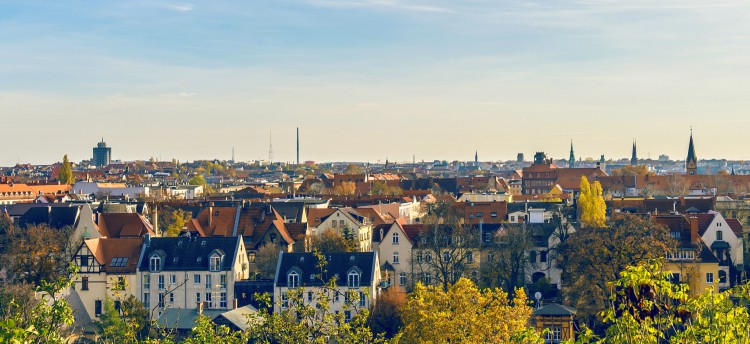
370 80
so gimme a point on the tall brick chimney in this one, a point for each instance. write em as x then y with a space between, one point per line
694 237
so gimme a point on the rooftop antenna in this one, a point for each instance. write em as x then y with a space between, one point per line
297 145
232 154
270 147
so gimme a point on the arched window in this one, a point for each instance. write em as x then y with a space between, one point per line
155 263
353 280
292 280
395 238
215 262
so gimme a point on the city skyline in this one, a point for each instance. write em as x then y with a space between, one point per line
373 79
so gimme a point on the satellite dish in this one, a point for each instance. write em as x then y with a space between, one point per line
538 296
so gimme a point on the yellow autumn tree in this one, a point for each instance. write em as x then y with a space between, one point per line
464 314
593 210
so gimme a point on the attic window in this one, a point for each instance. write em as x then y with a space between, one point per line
179 243
312 277
203 243
175 259
351 258
199 259
118 262
302 258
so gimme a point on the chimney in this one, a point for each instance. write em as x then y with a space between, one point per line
694 229
210 215
235 304
156 218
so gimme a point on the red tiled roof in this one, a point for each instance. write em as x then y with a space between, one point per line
106 249
413 231
736 226
116 225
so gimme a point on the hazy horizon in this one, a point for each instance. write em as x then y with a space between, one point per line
367 80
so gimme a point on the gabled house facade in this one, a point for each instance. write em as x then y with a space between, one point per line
357 272
347 221
107 268
191 272
394 248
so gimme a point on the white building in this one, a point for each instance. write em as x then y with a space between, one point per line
354 272
347 221
191 272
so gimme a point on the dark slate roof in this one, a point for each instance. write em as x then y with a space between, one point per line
191 253
720 244
55 217
19 209
338 265
555 310
289 210
707 256
184 319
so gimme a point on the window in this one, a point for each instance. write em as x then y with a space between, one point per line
402 278
171 298
155 263
309 296
347 316
719 235
161 300
84 261
470 257
146 282
197 298
98 308
479 214
223 281
709 277
292 281
395 238
285 301
209 282
223 300
336 299
419 257
215 264
543 256
532 256
512 218
341 223
84 283
428 279
722 276
362 299
428 257
196 279
209 300
446 256
119 262
493 214
395 257
353 280
251 257
161 281
147 300
334 223
172 279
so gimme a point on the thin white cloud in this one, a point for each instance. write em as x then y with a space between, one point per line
380 4
181 7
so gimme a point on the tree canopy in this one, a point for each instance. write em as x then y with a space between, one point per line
593 210
65 176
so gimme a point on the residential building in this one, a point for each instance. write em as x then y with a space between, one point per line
191 273
357 272
346 221
107 268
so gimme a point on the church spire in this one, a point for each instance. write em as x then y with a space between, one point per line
572 159
634 156
476 158
691 163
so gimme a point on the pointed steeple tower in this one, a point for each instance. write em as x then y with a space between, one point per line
572 159
691 163
476 158
634 156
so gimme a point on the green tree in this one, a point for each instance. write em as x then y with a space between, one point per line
206 331
466 314
175 221
593 210
645 307
197 180
112 329
354 169
36 254
595 256
332 241
266 260
65 176
387 312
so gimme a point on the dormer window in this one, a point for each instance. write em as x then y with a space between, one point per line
353 279
292 280
155 263
215 262
395 238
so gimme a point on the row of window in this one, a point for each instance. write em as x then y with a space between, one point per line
214 263
709 277
208 299
352 280
428 256
173 281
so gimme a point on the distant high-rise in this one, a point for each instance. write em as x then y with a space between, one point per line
634 156
572 159
102 154
519 157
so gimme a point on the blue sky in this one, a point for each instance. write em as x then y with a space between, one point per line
367 80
